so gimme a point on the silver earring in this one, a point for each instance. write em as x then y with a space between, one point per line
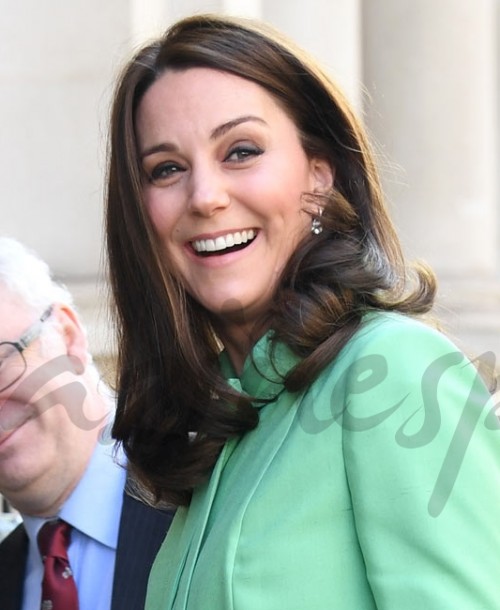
316 226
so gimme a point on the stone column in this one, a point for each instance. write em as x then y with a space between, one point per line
56 62
243 8
430 70
148 19
331 31
177 9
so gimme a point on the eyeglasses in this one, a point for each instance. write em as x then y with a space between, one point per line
12 361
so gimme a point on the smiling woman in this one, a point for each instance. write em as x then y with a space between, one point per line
271 371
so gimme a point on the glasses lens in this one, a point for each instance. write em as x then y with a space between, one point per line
12 365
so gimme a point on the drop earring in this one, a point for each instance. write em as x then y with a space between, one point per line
316 226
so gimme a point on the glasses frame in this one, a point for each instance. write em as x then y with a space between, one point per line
25 340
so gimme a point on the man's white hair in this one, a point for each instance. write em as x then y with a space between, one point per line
25 274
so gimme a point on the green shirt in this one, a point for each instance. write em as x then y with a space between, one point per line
378 487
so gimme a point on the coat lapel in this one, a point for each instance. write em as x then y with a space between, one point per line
13 555
142 530
174 569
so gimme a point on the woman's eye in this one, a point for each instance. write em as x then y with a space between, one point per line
243 153
164 171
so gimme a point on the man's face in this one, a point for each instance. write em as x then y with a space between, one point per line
45 439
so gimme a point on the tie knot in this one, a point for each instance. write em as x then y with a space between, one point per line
53 539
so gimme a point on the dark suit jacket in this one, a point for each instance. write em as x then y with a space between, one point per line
142 530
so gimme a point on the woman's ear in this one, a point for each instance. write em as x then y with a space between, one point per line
323 175
73 336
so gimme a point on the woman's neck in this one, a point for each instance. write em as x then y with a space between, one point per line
238 340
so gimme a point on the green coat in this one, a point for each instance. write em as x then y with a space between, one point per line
379 487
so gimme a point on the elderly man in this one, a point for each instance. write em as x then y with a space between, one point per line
58 468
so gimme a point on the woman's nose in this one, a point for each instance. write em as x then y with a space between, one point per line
209 192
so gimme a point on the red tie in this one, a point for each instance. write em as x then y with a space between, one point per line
58 587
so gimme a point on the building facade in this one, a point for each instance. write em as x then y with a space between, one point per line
424 75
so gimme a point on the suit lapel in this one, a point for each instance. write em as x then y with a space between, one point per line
13 555
142 530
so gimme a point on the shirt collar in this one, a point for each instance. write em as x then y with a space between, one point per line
95 505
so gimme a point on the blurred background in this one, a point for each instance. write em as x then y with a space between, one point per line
424 75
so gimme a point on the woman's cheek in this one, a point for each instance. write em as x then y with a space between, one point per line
158 213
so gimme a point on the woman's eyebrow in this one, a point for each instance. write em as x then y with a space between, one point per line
225 127
164 147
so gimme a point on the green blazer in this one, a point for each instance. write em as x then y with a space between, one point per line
378 487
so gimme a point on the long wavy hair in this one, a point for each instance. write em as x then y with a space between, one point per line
175 411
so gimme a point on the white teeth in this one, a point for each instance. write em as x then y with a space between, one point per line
220 243
223 241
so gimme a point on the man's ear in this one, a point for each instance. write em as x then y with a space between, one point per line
73 335
323 175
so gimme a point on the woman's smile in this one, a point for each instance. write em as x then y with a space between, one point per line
232 241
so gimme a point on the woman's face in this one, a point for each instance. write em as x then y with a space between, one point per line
225 171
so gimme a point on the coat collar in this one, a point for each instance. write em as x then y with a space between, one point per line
264 370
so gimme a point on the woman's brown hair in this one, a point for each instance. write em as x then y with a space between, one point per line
175 411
